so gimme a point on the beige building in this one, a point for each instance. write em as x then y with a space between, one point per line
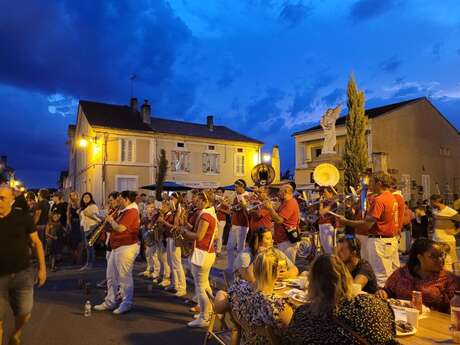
411 140
115 147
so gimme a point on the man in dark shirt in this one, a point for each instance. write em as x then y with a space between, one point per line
60 206
349 251
41 214
17 232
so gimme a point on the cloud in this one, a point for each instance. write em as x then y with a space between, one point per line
89 49
391 65
293 14
363 10
335 96
436 51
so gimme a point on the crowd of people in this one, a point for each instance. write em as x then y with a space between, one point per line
361 247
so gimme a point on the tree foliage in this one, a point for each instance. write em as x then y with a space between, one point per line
161 174
355 156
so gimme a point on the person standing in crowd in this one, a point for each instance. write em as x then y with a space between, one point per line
172 223
285 218
73 228
41 214
424 272
54 232
260 217
89 218
20 201
223 210
381 222
17 276
151 254
420 222
204 255
445 227
124 241
349 251
31 203
60 206
240 223
326 222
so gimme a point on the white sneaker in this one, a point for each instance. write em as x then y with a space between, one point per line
122 309
196 316
165 283
102 307
181 293
198 323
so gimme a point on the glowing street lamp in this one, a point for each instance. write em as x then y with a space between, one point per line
83 143
266 158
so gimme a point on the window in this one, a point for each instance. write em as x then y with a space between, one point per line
126 150
312 179
126 183
180 144
180 161
239 164
211 164
317 152
406 192
426 186
211 147
239 150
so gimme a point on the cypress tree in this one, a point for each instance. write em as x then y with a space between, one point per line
355 155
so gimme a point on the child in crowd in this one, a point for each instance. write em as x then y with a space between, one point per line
54 233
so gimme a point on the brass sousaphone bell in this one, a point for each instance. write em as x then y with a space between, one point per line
326 175
263 174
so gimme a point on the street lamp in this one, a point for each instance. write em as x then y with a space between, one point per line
266 158
83 143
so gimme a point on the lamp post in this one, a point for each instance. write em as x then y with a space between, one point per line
266 158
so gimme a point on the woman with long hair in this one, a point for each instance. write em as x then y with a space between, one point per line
73 227
172 223
204 254
89 218
333 315
423 272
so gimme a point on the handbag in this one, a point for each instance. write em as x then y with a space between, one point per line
293 234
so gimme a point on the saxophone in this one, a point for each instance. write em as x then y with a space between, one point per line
100 228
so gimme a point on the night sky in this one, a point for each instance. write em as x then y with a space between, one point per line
266 68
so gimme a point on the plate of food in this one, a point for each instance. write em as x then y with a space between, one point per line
295 283
405 304
404 328
279 285
299 297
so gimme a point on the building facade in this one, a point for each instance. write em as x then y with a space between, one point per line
411 140
115 147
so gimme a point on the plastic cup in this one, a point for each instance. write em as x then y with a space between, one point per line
412 316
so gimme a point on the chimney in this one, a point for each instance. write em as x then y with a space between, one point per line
145 112
210 122
133 104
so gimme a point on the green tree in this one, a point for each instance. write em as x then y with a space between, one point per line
161 174
355 153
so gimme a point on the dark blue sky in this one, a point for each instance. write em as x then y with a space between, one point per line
266 68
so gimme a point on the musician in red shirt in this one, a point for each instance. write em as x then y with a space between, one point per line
124 241
260 217
240 223
381 223
326 222
222 209
286 217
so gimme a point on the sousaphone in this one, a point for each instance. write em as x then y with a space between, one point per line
263 174
326 175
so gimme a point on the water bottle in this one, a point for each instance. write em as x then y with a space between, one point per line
87 309
455 317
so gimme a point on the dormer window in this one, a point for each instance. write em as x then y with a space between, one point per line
211 147
180 144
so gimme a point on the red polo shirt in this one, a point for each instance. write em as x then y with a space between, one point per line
240 217
262 219
401 207
130 219
206 242
384 210
290 212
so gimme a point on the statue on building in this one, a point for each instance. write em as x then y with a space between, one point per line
328 123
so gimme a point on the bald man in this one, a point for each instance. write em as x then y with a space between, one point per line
286 218
17 276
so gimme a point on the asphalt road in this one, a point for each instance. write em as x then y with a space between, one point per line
157 317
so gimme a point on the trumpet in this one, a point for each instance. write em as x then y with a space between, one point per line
100 228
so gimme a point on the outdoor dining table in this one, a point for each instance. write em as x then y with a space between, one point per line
433 328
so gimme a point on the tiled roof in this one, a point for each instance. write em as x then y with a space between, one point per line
371 113
121 117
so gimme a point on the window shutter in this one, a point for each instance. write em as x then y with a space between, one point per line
217 157
205 162
123 150
130 151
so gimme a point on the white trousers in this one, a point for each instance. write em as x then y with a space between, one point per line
174 255
383 257
363 242
441 235
201 280
327 237
152 254
120 274
164 265
220 235
289 249
236 237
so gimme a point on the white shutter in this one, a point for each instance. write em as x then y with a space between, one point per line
217 158
405 179
426 186
129 156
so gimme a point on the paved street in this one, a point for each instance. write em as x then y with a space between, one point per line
158 317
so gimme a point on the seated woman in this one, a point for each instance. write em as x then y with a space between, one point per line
349 251
260 241
258 305
334 316
424 272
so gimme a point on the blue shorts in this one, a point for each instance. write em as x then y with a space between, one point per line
17 291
